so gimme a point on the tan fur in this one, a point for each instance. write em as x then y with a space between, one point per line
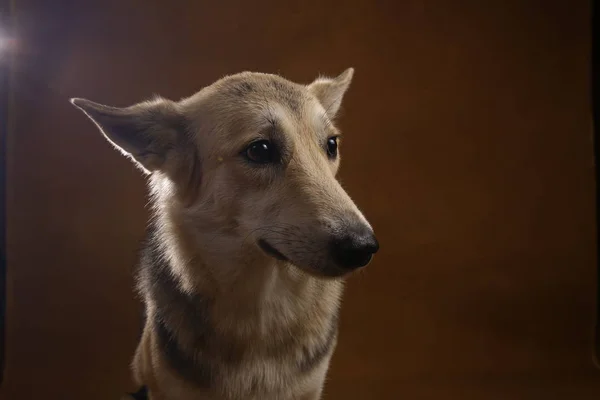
265 317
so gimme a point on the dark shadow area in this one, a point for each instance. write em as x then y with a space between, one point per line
596 118
4 96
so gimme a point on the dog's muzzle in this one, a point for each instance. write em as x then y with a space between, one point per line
349 249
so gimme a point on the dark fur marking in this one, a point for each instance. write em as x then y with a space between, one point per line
195 176
313 357
175 308
156 277
288 95
242 89
178 315
141 394
193 369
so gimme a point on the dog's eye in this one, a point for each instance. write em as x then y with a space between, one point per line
261 152
332 147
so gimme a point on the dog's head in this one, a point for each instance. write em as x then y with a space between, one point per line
255 157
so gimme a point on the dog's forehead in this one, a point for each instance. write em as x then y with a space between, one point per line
257 90
250 102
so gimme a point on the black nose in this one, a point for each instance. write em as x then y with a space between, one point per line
354 250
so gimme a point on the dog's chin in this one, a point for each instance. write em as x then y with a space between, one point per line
329 271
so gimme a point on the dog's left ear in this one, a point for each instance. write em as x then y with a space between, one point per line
330 91
150 132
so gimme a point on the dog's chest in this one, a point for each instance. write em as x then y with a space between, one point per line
282 360
271 380
261 375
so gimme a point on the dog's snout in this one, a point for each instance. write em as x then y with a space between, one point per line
355 248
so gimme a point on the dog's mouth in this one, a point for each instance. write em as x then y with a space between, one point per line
270 250
316 271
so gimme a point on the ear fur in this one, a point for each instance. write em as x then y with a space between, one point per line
147 132
330 91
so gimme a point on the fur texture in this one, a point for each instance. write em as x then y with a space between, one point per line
240 272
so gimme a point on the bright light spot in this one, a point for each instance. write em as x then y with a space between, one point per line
6 43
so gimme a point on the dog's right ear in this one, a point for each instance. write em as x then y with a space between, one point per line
148 132
330 91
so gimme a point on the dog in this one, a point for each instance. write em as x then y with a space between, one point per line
251 239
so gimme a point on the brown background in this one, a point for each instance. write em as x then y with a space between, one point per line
468 145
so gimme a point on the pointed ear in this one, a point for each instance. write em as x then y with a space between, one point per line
147 132
330 91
